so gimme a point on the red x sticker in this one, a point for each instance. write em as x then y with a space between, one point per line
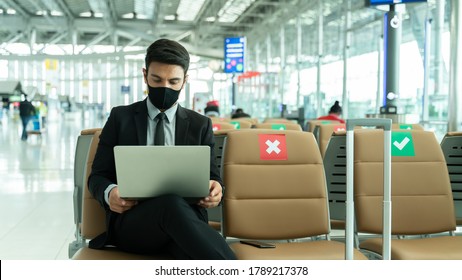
340 127
216 127
272 146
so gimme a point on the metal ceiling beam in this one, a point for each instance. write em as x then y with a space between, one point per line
54 40
131 43
16 7
200 51
46 16
249 11
291 10
97 39
89 57
65 9
202 11
112 12
106 8
183 35
12 39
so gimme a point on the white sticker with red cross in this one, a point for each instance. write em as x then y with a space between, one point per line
216 127
340 127
272 146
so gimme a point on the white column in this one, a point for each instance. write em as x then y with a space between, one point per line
455 61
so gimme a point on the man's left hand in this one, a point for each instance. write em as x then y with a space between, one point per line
214 197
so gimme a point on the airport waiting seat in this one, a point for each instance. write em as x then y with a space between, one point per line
241 124
278 126
335 168
311 124
421 196
323 132
81 154
277 120
220 119
215 213
276 190
452 150
405 126
217 126
93 218
250 120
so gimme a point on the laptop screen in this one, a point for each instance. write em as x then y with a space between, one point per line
151 171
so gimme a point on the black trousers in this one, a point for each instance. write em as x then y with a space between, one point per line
169 224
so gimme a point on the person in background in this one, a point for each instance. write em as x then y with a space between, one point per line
212 109
43 109
334 113
26 112
239 113
165 223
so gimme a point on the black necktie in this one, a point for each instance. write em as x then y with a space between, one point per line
159 136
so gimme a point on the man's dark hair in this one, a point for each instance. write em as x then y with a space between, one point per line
168 52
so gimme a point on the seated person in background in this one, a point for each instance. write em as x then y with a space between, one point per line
164 223
239 113
212 110
334 113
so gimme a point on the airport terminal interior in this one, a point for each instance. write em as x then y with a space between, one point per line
282 60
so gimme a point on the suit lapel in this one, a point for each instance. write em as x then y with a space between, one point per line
182 126
141 121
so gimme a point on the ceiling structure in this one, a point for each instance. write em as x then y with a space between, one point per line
200 25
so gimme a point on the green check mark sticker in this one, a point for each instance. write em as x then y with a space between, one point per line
405 126
237 125
278 126
402 144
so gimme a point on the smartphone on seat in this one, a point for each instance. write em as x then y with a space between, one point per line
258 244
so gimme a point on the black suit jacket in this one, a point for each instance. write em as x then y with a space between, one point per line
127 125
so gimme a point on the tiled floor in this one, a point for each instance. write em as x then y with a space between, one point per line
36 187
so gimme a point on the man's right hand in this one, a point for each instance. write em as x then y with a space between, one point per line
118 204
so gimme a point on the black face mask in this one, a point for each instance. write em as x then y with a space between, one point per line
163 97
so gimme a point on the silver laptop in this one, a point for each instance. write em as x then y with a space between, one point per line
150 171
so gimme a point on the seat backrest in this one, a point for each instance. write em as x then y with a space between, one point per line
93 215
323 132
219 137
405 126
335 167
420 187
250 120
217 126
241 124
278 126
220 119
311 124
275 185
277 120
81 154
452 150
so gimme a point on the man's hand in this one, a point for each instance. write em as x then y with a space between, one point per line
214 197
118 204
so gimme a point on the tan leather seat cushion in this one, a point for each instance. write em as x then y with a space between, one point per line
435 248
317 250
114 254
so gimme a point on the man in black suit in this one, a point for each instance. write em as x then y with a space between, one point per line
166 223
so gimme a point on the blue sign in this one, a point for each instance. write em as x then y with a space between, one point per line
391 2
234 55
125 89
